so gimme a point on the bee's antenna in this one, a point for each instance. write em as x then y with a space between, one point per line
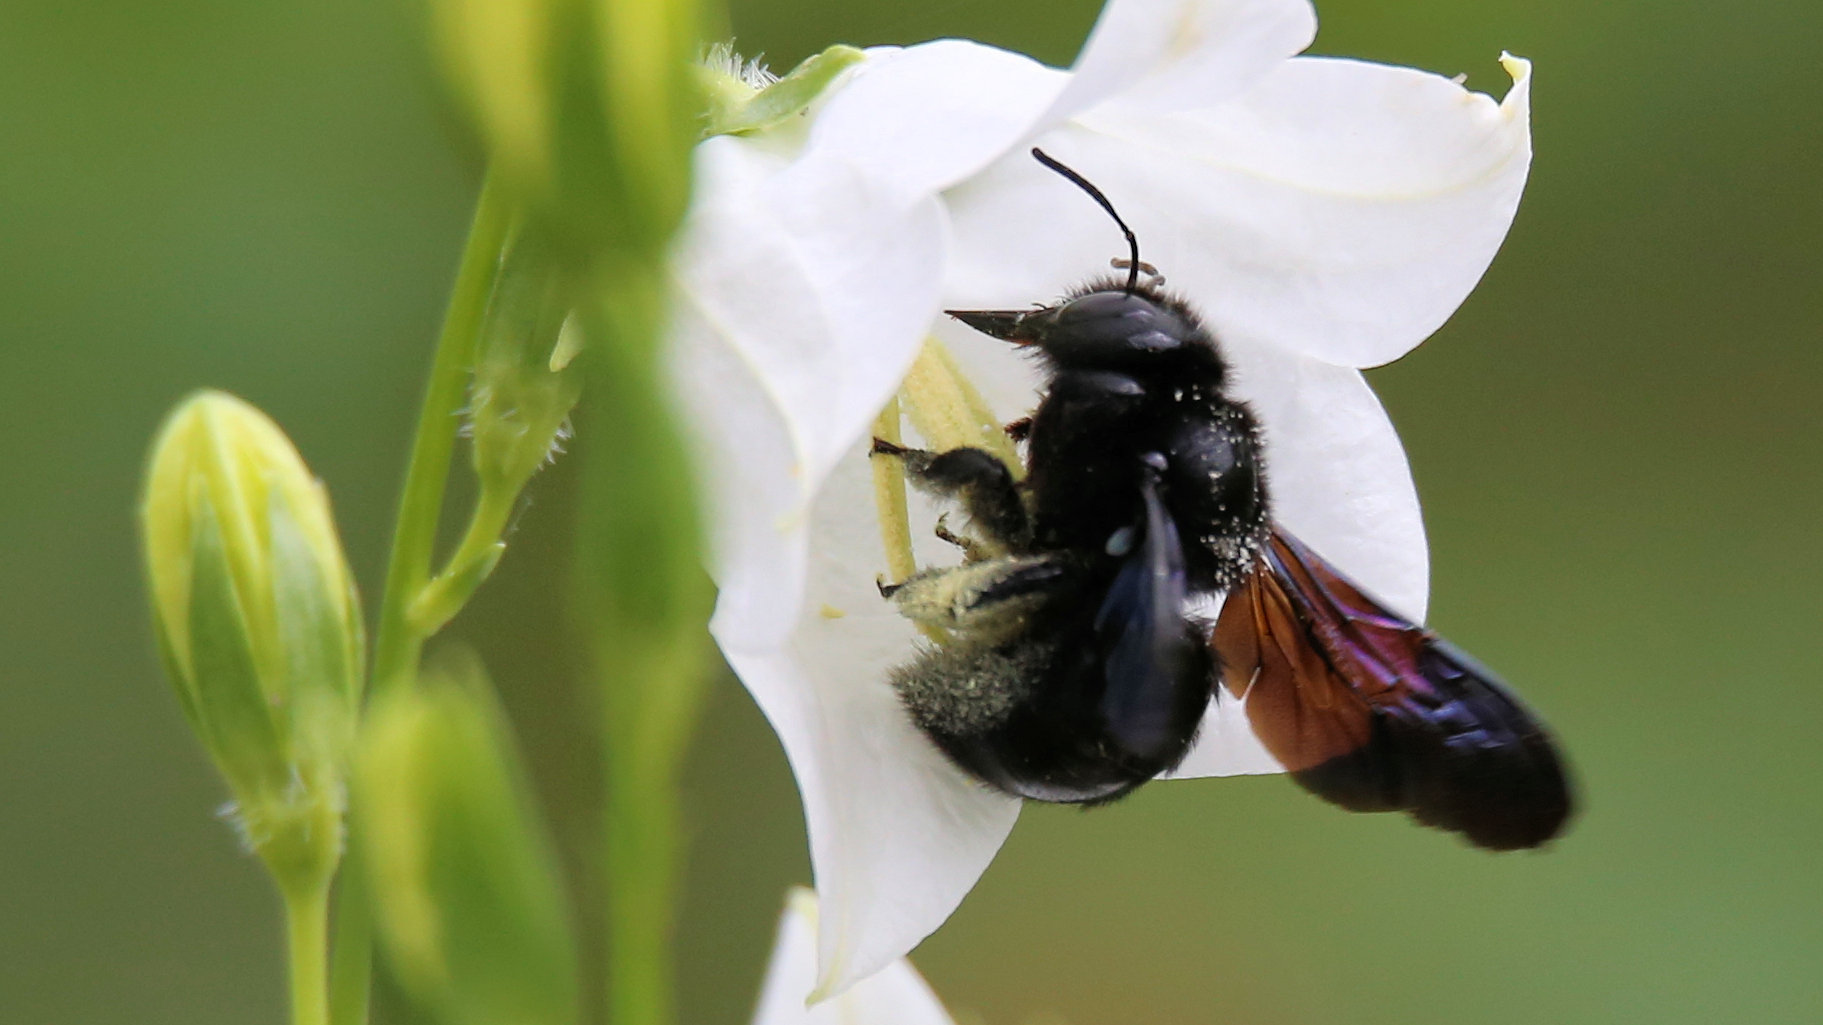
1094 193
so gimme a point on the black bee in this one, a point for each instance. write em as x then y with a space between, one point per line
1074 672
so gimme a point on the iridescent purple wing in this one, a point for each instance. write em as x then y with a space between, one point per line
1375 713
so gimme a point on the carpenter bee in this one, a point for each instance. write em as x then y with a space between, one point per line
1075 671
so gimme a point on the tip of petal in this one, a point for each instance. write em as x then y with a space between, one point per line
1519 68
1517 98
802 902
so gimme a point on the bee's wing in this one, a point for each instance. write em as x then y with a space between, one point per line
1377 714
1145 652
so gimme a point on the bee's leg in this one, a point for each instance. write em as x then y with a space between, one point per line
972 550
1019 429
984 601
980 482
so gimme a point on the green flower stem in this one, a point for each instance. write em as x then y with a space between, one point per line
307 931
351 967
475 557
400 642
642 831
644 601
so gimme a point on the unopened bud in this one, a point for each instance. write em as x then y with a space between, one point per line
520 402
258 622
587 108
464 879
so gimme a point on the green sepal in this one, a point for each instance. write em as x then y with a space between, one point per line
320 640
240 726
784 98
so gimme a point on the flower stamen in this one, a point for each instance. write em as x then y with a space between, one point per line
948 412
889 498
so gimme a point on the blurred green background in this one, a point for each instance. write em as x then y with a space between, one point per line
1617 440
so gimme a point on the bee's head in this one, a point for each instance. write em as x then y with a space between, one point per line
1102 327
1113 324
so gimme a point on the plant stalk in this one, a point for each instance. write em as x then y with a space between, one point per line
398 643
645 601
307 933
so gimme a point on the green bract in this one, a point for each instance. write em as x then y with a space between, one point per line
258 622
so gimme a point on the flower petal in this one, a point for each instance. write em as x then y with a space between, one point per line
897 995
1225 745
920 119
1338 209
1181 54
804 298
897 834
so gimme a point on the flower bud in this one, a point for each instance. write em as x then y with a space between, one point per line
464 881
587 108
258 623
524 387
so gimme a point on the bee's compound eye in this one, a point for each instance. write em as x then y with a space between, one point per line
1109 327
1120 543
1107 306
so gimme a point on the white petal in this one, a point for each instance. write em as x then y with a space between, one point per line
749 471
1337 474
897 995
919 119
897 834
804 298
1338 209
1226 746
1181 54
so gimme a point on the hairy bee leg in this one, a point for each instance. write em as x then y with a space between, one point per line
972 550
979 481
1019 429
983 601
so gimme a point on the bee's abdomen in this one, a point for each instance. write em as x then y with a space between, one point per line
1045 731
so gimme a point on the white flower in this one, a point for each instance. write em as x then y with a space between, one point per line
895 995
1323 214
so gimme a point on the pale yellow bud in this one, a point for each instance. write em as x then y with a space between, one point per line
258 622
